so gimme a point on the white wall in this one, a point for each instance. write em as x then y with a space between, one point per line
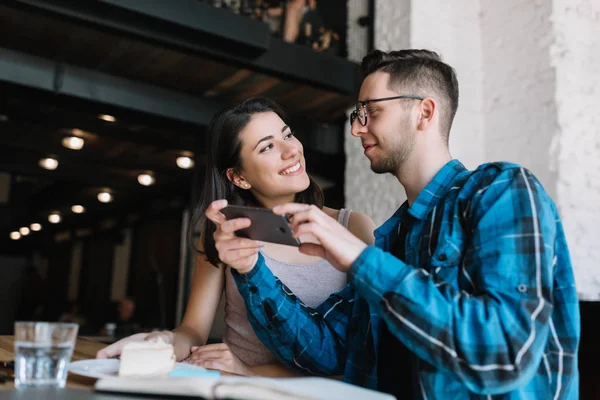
519 85
529 74
575 55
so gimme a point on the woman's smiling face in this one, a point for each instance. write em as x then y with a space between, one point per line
272 159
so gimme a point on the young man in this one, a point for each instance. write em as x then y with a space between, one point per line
469 289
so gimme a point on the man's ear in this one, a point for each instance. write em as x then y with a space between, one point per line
427 110
238 180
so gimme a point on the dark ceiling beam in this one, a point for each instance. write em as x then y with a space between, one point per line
68 173
201 29
62 120
83 160
63 79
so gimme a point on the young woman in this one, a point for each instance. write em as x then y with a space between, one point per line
255 160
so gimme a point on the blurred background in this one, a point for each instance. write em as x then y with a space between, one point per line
104 106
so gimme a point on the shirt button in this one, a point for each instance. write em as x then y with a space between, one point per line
253 289
522 288
442 257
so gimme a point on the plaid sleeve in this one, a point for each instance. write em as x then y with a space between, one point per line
309 341
493 339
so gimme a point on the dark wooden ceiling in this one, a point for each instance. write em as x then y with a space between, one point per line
108 52
33 120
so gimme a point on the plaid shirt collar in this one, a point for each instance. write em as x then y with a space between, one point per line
427 198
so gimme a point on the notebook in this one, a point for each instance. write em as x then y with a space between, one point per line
241 388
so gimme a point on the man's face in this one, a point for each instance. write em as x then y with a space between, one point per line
389 136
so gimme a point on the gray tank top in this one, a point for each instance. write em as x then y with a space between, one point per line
312 283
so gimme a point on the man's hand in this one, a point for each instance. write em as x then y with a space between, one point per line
217 356
239 253
338 246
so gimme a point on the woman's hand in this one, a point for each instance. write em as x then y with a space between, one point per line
115 349
217 356
239 253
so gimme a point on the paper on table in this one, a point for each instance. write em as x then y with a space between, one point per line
237 388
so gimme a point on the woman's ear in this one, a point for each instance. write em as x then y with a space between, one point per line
238 180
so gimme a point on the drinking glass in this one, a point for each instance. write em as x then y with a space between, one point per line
43 351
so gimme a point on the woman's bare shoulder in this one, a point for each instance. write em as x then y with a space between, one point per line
332 212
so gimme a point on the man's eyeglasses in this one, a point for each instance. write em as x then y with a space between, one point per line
361 108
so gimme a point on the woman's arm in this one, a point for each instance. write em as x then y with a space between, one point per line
207 288
218 356
205 295
362 227
272 371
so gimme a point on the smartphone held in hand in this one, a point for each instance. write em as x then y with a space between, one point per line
266 226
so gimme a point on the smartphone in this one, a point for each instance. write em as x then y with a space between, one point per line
266 225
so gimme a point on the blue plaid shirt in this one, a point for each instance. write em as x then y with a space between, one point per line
486 300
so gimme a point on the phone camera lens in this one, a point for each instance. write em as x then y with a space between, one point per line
281 229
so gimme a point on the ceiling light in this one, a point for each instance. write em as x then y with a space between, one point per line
24 231
146 179
15 235
73 142
77 209
185 162
105 197
54 217
107 118
49 163
36 227
3 118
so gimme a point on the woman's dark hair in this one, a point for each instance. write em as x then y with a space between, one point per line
223 145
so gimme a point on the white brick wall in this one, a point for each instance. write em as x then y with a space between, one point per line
519 85
529 73
575 55
392 24
357 36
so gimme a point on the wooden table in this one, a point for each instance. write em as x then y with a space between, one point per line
84 350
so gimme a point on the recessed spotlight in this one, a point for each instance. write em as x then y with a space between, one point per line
73 142
77 209
185 162
35 227
105 197
146 179
24 231
107 118
15 235
49 163
54 217
3 118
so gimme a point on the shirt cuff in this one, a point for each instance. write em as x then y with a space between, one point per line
249 283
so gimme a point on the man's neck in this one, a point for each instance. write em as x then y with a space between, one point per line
416 172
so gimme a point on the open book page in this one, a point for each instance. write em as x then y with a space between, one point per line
238 388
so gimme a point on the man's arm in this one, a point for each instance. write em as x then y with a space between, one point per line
493 340
306 340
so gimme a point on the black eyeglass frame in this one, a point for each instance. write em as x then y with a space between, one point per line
355 114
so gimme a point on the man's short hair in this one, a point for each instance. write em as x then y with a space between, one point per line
419 72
